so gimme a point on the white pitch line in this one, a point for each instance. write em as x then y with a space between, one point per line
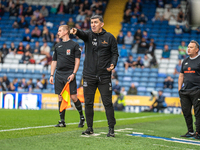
172 147
184 139
121 119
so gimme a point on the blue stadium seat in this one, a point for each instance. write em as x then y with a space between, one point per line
145 74
160 79
146 70
143 84
159 85
147 94
10 75
46 91
37 90
167 90
151 84
141 93
162 75
175 90
126 84
21 90
127 79
150 89
153 79
137 70
19 75
128 73
141 89
126 88
166 94
175 95
175 85
136 79
136 74
153 74
158 88
144 79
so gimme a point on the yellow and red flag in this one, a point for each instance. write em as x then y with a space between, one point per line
66 102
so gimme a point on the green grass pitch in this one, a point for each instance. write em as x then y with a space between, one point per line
33 130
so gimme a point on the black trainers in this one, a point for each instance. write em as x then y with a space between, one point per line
88 131
60 124
196 136
188 134
81 123
111 132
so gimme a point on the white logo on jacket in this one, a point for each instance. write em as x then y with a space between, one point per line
85 84
94 42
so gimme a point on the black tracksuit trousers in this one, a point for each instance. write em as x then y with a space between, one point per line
105 88
189 98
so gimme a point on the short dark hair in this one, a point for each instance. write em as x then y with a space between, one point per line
97 17
197 44
65 27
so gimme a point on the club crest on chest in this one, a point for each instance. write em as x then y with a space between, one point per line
68 51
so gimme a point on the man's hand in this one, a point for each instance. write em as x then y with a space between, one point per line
111 67
51 80
71 77
73 31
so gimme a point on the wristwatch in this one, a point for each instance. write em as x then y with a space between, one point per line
74 73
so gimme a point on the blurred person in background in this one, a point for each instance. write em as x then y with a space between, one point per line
182 50
12 49
120 38
132 90
5 83
159 103
177 69
166 52
22 83
36 32
168 82
20 48
4 51
120 102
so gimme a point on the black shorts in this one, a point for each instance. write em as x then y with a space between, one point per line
61 80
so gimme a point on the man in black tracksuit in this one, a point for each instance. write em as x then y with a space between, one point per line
189 89
101 55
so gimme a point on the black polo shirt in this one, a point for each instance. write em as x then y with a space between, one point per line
65 54
191 70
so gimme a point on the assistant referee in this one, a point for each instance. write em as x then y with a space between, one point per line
66 60
189 89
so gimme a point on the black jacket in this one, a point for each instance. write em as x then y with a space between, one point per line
100 51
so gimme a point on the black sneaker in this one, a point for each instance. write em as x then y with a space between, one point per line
188 134
81 123
196 136
111 132
60 124
88 131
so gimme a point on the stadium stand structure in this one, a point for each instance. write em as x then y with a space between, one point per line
146 79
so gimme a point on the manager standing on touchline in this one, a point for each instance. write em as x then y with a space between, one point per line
189 89
101 55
